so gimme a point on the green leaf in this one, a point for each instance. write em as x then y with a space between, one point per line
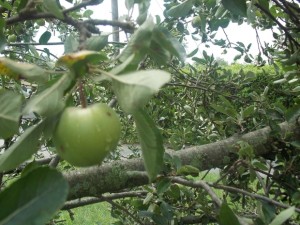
97 43
168 42
194 52
45 37
22 149
134 90
264 4
33 199
237 7
182 9
248 111
158 53
139 42
87 13
151 143
125 66
296 89
50 101
2 36
129 4
53 7
6 5
22 4
188 170
226 216
31 72
266 211
296 144
283 216
71 44
225 110
163 185
33 50
10 112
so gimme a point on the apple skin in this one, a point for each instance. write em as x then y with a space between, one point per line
85 136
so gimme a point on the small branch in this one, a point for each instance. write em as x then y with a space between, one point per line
82 96
54 161
33 43
288 35
197 219
199 184
113 102
83 4
19 169
252 195
126 26
229 42
92 200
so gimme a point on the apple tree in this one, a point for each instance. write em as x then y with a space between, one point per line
64 119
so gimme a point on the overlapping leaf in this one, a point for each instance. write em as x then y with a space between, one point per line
182 9
227 216
97 43
134 90
34 198
139 43
18 70
79 59
53 7
237 7
10 112
151 143
162 36
50 101
22 149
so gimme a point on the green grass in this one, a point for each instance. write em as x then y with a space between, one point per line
95 214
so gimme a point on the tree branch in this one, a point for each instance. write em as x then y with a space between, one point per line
199 184
91 200
118 175
252 195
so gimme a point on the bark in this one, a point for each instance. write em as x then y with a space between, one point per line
124 174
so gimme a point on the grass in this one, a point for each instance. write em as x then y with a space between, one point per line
95 214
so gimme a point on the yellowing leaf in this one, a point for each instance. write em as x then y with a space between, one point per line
4 70
17 70
70 59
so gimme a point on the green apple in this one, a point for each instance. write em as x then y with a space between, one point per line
85 136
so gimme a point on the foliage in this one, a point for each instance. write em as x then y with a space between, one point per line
204 101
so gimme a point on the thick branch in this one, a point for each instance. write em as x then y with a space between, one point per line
119 175
91 200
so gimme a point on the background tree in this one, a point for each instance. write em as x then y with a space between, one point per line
242 119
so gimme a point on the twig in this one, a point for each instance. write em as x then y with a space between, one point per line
82 96
33 43
54 161
197 184
229 42
252 195
292 40
92 200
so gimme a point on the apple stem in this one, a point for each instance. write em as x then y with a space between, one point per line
82 96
